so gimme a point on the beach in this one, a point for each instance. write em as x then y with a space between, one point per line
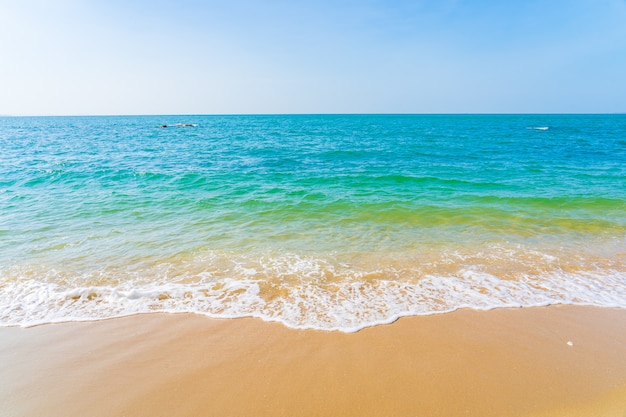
313 209
313 265
542 361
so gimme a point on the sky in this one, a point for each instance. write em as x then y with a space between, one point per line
87 57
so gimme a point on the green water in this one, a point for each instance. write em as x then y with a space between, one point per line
322 221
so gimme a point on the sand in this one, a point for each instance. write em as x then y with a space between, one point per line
535 362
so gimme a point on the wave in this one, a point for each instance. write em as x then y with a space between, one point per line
312 292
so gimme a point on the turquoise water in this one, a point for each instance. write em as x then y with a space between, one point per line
332 222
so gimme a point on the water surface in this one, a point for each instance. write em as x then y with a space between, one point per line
331 222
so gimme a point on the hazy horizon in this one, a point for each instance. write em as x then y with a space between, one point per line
310 114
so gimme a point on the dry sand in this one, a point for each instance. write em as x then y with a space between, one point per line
539 362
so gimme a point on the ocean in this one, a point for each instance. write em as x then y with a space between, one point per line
328 222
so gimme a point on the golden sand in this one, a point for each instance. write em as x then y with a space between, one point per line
535 362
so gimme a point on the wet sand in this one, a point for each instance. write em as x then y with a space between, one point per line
536 362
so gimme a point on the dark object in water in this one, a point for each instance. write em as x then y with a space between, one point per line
180 125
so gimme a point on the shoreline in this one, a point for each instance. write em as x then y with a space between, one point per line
536 362
280 322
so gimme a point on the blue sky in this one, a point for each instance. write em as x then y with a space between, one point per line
343 56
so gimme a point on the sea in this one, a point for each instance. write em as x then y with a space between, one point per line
327 222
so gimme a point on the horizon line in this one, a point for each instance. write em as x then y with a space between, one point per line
315 114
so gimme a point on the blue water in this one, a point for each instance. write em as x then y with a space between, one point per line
333 222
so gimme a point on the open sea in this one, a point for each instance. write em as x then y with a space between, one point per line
331 222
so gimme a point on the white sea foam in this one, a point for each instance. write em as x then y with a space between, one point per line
301 292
